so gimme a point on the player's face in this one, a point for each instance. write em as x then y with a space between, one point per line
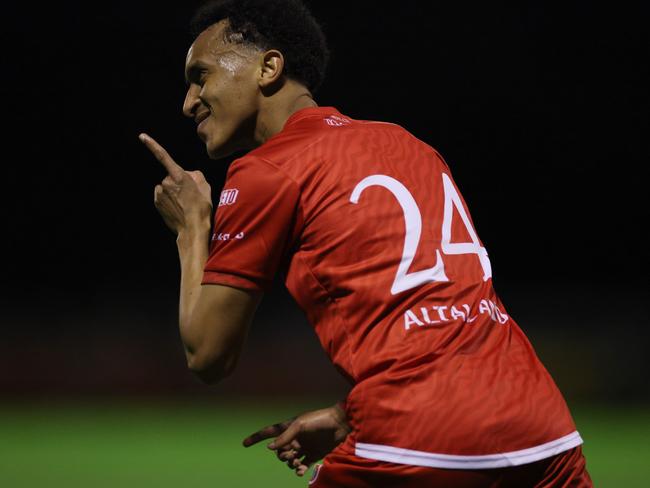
223 92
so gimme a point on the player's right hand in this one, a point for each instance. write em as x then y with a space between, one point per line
184 197
305 439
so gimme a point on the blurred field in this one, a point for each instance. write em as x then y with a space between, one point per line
177 445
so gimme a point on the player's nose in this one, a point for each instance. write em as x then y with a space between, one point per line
192 101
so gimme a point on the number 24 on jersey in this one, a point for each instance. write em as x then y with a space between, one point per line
413 220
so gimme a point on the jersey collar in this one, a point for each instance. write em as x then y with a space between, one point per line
310 112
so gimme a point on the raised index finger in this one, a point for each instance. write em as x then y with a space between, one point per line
159 152
265 433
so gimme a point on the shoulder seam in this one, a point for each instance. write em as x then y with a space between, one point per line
308 146
274 166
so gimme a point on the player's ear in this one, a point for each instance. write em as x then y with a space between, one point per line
272 67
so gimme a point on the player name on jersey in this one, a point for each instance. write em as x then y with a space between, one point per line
438 314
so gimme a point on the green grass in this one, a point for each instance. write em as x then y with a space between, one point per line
617 445
168 445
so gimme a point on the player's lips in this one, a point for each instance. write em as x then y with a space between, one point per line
200 121
201 117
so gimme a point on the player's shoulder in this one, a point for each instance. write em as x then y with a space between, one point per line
397 134
315 131
314 135
305 135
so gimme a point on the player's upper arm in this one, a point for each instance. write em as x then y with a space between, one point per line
219 325
256 225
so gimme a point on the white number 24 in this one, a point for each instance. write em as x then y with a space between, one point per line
413 220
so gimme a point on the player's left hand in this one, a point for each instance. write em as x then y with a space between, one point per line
303 440
183 198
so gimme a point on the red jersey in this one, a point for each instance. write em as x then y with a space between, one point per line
378 248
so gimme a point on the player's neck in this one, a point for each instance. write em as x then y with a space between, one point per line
283 104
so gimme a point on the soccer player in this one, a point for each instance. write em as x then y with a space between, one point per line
376 244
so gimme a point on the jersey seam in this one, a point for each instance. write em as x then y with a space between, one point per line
278 168
293 156
338 314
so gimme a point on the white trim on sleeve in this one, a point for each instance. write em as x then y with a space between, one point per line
449 461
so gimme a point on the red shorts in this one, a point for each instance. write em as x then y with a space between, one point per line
341 468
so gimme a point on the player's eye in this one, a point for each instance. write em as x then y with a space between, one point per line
202 76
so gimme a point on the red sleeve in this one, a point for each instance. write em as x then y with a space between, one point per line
256 223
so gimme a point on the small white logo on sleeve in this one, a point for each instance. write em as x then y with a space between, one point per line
228 197
336 121
223 236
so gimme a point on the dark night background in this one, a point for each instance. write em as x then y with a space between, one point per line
540 111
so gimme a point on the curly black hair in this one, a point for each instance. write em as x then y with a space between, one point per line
285 25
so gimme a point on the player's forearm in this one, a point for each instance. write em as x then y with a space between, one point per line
341 417
192 246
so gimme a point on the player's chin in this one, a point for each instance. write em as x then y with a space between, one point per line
219 149
216 150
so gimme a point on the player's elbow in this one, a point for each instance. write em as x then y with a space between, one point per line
211 368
